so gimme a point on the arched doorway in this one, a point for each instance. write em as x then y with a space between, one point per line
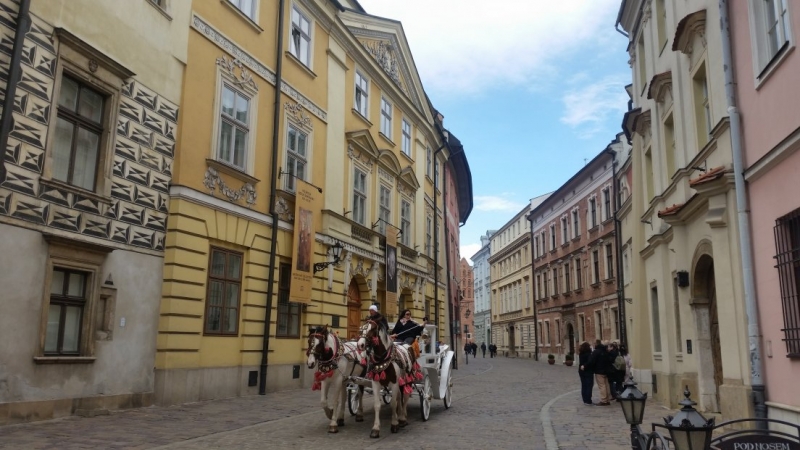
353 310
704 300
512 351
571 338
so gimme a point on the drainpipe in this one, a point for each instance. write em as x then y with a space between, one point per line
743 216
623 326
14 72
273 187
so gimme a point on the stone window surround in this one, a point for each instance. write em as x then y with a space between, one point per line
247 172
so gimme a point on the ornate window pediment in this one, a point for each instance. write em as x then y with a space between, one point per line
690 27
641 124
660 87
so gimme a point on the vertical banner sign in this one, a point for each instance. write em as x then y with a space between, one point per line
306 209
391 271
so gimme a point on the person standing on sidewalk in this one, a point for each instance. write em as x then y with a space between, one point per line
483 349
599 363
585 373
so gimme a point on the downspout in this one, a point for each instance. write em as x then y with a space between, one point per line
273 187
743 216
14 71
623 326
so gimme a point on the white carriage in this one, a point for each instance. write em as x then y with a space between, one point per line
436 384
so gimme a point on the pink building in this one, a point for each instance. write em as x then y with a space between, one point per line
767 70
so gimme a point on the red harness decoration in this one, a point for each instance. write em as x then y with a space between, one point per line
325 369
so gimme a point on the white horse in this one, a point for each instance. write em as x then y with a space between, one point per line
390 366
336 361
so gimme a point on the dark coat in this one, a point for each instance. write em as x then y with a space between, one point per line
583 360
599 362
380 320
410 329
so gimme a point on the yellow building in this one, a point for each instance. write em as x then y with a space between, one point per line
317 91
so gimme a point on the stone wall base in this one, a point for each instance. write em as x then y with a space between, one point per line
786 413
176 386
20 412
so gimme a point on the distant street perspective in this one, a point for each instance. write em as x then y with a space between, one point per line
497 403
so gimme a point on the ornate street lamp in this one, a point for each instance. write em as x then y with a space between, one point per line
633 402
689 429
337 254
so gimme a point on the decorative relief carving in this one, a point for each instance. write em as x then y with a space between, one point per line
212 181
299 116
384 55
385 175
360 157
244 79
647 12
282 208
403 189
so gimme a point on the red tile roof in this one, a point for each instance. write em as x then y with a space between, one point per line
670 211
711 175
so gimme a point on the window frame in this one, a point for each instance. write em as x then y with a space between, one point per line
609 261
253 15
361 95
292 158
303 36
249 92
405 221
429 165
592 212
236 124
64 301
289 311
384 207
787 256
576 226
225 282
405 144
387 113
359 203
595 266
764 59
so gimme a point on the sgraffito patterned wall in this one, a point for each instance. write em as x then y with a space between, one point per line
136 213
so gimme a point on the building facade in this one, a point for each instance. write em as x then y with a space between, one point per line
763 35
466 304
512 309
84 195
574 265
482 290
684 198
288 152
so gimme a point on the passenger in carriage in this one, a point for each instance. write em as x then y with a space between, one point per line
374 315
406 330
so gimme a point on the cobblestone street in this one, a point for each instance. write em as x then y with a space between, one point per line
497 403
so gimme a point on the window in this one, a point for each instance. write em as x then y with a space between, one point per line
160 3
536 246
544 243
661 24
405 222
541 334
248 7
406 141
359 196
595 266
592 212
68 298
79 129
656 320
436 171
677 305
567 276
606 203
564 231
640 55
386 118
770 28
578 278
777 25
649 175
300 44
581 328
552 237
614 323
362 94
288 312
669 145
428 235
538 294
296 156
702 108
547 332
555 282
546 284
626 267
576 228
234 120
429 160
598 325
558 332
787 246
609 262
384 209
224 287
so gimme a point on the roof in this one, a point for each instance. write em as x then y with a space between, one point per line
711 175
463 177
671 211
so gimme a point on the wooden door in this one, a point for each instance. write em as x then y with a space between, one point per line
716 351
353 310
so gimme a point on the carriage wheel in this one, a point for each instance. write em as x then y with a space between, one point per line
386 395
448 395
425 398
354 393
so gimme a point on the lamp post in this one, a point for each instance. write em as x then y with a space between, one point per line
688 429
336 249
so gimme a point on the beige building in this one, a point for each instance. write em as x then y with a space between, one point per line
84 200
687 292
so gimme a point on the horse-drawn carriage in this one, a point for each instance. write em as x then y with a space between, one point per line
436 384
388 370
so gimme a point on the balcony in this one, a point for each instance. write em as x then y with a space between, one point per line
360 233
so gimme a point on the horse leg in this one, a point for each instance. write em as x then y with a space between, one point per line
342 398
376 397
324 400
403 410
360 412
336 387
396 395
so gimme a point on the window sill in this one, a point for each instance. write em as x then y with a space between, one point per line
576 238
244 16
76 190
362 117
609 280
220 335
553 251
596 285
565 244
408 157
773 64
161 10
567 294
387 139
232 171
64 359
280 336
578 291
594 228
554 296
302 65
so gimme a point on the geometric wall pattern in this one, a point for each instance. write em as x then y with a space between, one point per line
136 213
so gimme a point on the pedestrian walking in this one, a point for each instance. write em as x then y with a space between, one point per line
599 363
474 347
467 349
483 349
585 373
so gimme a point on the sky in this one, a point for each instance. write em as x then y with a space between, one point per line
532 88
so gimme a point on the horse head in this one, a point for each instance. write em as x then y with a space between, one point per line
316 344
373 337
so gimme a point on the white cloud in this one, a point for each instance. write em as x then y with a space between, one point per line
589 106
496 203
467 250
465 46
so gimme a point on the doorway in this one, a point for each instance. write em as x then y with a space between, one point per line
353 310
704 301
571 338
